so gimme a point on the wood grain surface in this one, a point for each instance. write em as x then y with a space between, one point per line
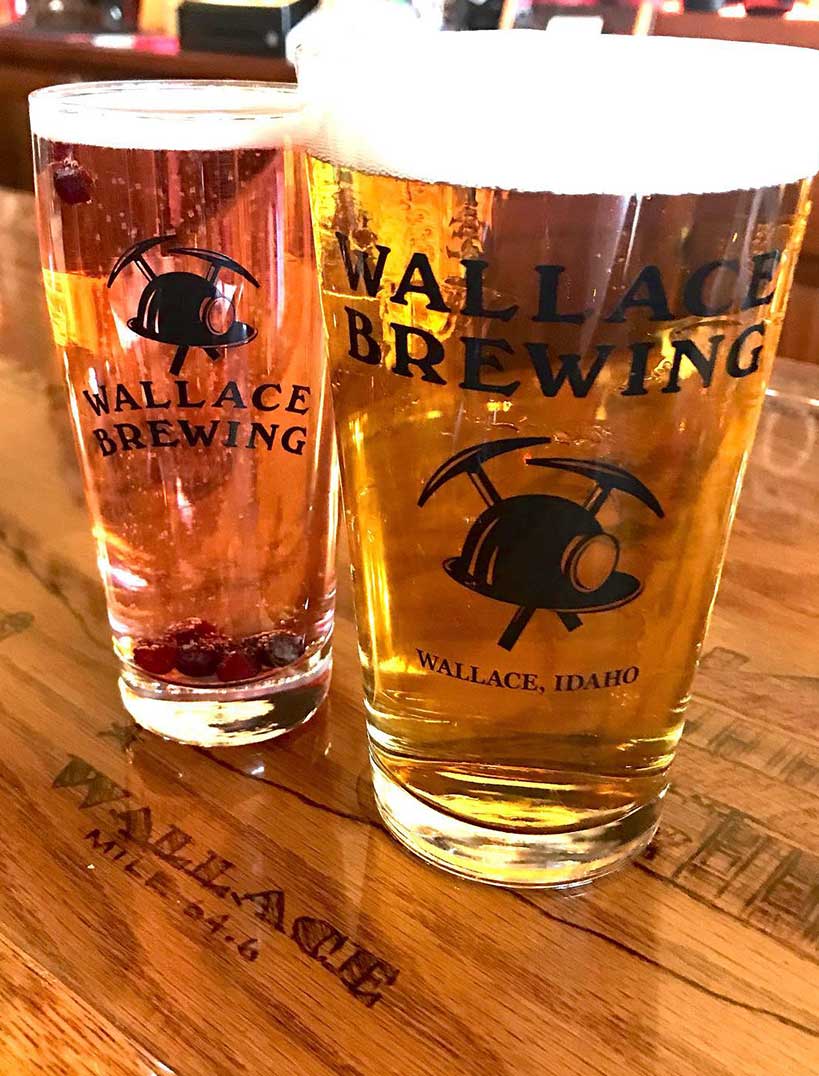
169 910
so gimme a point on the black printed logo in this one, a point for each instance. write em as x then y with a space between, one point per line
539 551
186 309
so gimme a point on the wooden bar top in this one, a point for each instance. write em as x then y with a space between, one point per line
30 60
103 56
169 910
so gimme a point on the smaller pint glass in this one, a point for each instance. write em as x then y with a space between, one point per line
180 278
553 276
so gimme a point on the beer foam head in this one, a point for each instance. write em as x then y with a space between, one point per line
168 114
534 111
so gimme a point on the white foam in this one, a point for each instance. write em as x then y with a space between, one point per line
527 110
168 114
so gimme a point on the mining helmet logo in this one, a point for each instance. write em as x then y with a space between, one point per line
539 551
186 309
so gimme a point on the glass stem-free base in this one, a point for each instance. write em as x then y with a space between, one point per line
230 715
507 858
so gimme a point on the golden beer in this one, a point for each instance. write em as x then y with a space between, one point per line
544 403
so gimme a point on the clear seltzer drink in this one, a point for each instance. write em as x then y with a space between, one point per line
179 273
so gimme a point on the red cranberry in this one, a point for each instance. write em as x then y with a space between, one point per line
188 631
73 183
155 658
237 665
199 658
278 648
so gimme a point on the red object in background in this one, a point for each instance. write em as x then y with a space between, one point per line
169 46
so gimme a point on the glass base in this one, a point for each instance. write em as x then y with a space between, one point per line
227 716
500 857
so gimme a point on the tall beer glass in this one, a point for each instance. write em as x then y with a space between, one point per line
180 278
553 277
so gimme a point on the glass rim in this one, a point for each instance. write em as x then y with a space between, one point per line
167 113
323 47
77 96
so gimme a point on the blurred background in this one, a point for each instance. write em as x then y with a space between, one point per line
44 42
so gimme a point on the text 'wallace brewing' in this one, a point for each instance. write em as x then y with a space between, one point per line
550 326
180 279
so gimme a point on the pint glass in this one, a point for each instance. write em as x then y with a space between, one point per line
553 278
180 278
